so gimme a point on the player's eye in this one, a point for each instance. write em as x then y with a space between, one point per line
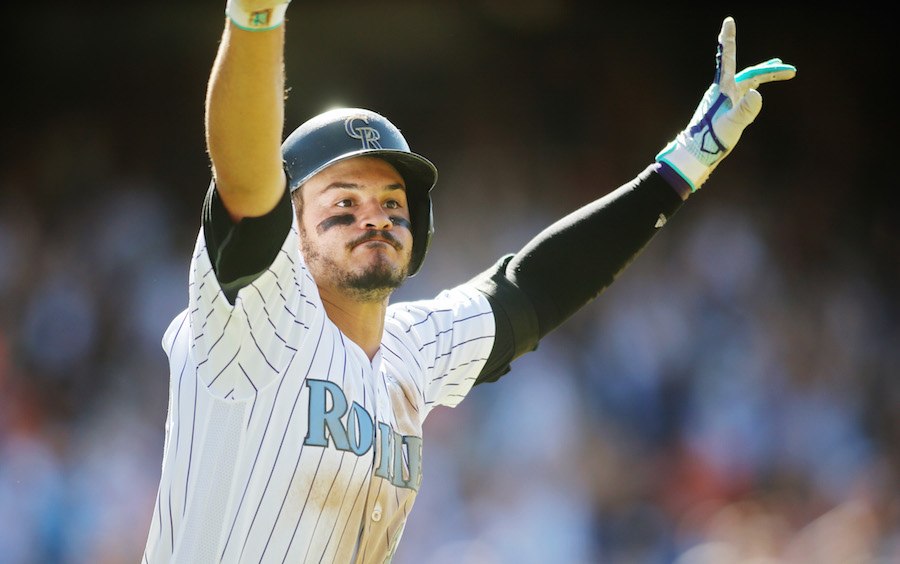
345 203
393 205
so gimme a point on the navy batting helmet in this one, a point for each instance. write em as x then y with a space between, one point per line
344 133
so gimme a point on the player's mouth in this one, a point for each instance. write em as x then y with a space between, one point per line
376 238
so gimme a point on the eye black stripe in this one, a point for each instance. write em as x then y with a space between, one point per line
329 222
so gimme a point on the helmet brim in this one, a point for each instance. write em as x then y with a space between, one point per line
418 173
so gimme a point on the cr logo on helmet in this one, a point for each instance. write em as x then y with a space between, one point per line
367 134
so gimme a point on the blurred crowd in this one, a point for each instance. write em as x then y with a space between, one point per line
732 398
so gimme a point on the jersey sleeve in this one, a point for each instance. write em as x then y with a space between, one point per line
443 343
240 252
244 335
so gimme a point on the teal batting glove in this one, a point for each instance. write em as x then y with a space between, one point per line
729 105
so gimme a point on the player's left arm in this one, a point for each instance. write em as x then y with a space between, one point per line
571 262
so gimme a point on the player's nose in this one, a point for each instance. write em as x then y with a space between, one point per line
372 215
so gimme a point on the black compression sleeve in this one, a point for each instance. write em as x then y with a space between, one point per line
572 261
576 258
515 320
240 252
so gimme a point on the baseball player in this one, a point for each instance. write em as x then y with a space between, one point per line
297 393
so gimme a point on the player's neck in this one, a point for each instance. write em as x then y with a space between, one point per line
361 322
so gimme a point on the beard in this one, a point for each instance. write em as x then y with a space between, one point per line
374 283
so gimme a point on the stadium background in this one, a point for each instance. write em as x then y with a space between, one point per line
734 395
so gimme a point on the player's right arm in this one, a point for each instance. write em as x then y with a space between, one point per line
245 109
247 282
247 212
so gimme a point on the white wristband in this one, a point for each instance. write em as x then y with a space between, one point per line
256 19
679 157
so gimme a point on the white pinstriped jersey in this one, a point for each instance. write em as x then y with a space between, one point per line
284 443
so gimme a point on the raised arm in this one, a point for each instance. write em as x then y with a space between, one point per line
572 261
245 108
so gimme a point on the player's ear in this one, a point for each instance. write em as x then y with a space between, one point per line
297 199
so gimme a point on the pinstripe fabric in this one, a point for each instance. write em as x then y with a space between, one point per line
283 442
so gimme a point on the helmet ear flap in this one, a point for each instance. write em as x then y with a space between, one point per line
422 220
345 133
418 197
